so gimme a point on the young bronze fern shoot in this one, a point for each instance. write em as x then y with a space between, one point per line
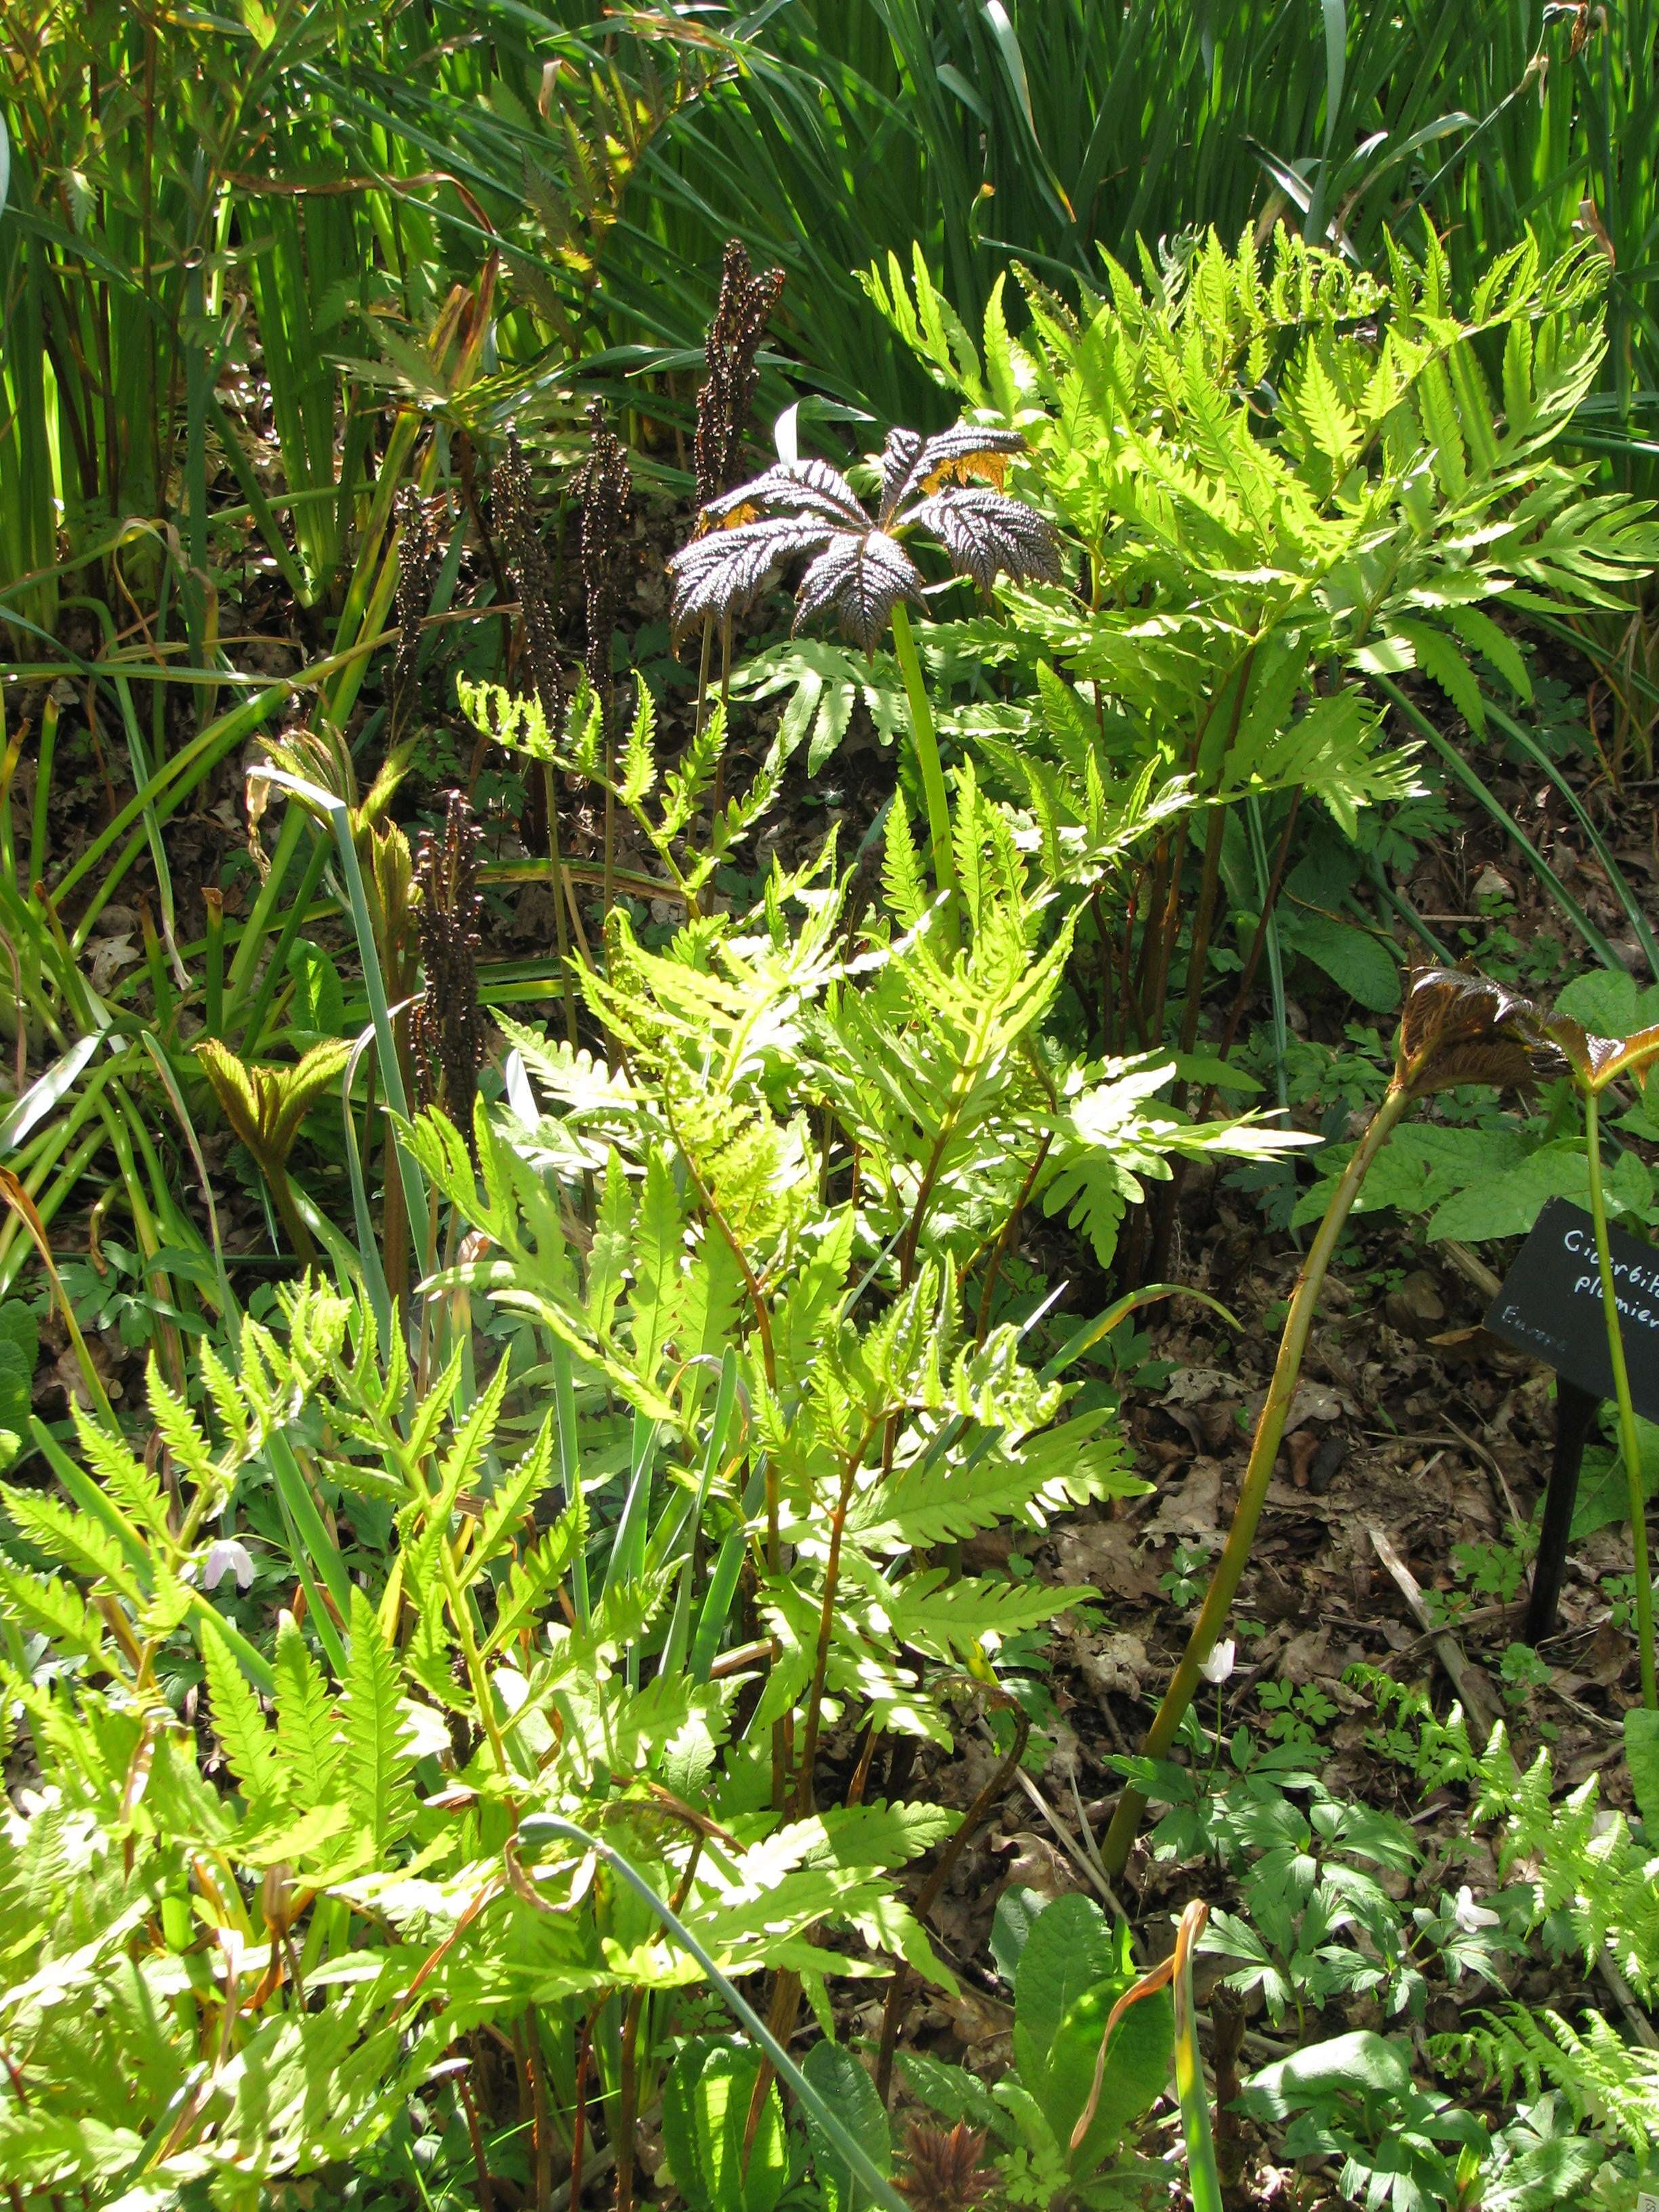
859 569
265 1107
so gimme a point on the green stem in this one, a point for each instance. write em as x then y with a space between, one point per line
1253 1492
461 1613
826 1629
1627 1442
927 759
1203 2178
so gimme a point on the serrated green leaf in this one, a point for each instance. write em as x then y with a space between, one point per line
659 1280
639 765
319 995
1437 656
308 1736
374 1767
1642 1757
1352 958
1137 2059
237 1720
951 1617
76 1539
52 1605
706 2103
1067 1951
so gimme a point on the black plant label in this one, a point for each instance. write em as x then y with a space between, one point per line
1551 1305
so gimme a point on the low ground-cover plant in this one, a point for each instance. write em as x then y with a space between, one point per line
1314 1922
1457 1029
1353 2099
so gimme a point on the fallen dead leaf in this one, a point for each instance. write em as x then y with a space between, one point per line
1608 1657
1037 1864
1193 1507
976 2020
1417 1307
1195 1386
1113 1662
1303 1656
1316 1401
1107 1555
109 956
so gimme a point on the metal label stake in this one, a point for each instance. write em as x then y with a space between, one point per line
1575 1417
1550 1305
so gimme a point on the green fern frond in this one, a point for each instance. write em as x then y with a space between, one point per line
308 1738
374 1764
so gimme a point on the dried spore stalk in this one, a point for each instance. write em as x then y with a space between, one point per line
533 579
447 1029
726 400
417 564
606 487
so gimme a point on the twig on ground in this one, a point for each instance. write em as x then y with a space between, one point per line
1474 1272
1624 1997
1470 1684
1084 1861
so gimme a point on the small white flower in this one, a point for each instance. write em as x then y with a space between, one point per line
227 1557
1219 1664
1470 1916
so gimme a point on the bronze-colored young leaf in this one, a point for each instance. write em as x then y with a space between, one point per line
1597 1061
967 453
390 883
948 487
1459 1028
809 487
266 1106
988 535
861 580
722 575
945 2174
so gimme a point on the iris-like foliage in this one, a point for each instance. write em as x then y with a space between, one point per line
859 569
